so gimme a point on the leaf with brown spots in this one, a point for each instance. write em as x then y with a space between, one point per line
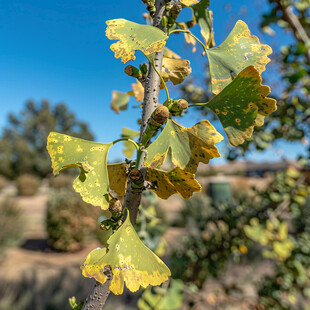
119 101
172 182
131 262
187 146
175 70
132 37
117 178
242 104
91 157
239 50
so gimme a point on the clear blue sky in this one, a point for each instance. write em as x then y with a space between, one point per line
57 50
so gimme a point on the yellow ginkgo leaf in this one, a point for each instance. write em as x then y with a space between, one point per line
132 37
172 182
189 2
91 157
175 70
117 178
131 262
138 90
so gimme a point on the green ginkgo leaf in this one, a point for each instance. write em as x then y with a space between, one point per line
118 178
131 262
172 182
242 104
187 146
239 50
132 37
91 157
119 101
203 17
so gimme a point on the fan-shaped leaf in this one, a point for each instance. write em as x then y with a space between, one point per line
132 37
174 181
239 50
130 260
90 157
188 146
119 101
189 2
137 91
175 70
242 105
117 178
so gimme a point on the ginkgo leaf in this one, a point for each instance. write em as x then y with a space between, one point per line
117 178
239 50
203 17
131 262
119 101
172 182
175 70
188 2
90 157
242 104
137 91
187 146
132 37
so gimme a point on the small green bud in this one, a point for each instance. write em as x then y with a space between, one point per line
164 21
143 68
178 106
133 71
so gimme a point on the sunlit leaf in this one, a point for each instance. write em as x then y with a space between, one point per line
129 147
187 146
119 101
90 157
239 50
188 2
137 91
242 104
117 178
131 262
175 70
132 37
172 182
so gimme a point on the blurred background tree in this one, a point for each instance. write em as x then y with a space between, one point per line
23 141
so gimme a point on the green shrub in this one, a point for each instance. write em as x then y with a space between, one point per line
27 185
70 222
11 224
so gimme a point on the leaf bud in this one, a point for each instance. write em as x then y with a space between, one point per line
160 115
143 68
136 176
178 106
133 71
164 21
175 10
115 206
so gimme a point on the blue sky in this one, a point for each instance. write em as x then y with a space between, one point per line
57 50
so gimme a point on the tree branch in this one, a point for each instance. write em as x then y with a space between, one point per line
100 292
298 30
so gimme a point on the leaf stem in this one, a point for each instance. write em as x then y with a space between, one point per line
128 140
160 76
187 31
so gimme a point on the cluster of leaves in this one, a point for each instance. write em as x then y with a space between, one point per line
240 103
23 142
